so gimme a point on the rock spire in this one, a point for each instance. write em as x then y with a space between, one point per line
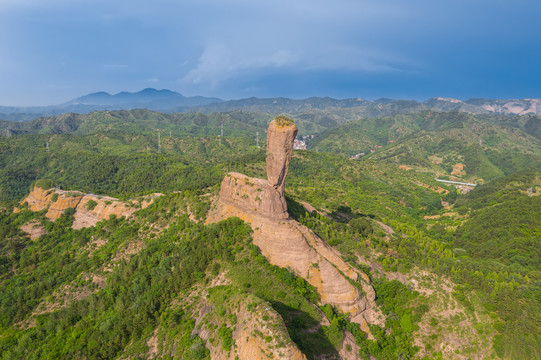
280 136
285 242
259 196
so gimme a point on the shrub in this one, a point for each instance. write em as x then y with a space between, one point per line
91 204
226 334
44 183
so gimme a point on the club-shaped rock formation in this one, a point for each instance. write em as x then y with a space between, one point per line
259 196
284 241
280 136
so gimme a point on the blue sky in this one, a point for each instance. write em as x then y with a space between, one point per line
54 50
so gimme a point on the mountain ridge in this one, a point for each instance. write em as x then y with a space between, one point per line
168 101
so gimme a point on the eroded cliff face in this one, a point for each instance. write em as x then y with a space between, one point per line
86 213
259 331
285 242
515 107
40 199
280 136
253 195
288 244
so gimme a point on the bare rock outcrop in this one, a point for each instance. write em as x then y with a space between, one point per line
259 332
265 197
280 136
285 242
103 207
253 196
89 208
34 229
40 199
250 346
349 349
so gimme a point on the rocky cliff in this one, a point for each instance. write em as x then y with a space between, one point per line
259 332
253 196
285 242
89 208
280 136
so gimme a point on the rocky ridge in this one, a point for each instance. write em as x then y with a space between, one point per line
89 208
259 332
285 242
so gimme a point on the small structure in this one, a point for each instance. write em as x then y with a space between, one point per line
299 144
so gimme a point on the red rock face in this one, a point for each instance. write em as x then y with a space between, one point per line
105 206
280 136
264 197
286 243
253 195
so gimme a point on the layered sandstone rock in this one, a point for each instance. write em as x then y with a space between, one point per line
259 331
253 347
40 199
104 208
57 201
284 241
253 195
264 197
280 136
288 244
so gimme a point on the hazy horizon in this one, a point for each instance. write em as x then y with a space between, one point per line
420 100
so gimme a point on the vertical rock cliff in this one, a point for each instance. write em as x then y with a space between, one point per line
280 136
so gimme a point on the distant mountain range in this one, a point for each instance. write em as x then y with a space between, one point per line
151 99
380 107
169 102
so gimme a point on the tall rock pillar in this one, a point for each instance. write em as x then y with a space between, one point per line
285 242
262 197
280 136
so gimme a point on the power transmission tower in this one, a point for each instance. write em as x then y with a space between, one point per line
257 139
221 131
47 146
530 192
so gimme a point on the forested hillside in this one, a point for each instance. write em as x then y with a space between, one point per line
457 276
473 148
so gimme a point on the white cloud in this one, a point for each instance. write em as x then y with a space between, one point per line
218 62
210 43
299 35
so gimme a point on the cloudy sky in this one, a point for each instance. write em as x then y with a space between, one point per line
54 50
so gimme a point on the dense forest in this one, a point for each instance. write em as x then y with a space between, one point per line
456 274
